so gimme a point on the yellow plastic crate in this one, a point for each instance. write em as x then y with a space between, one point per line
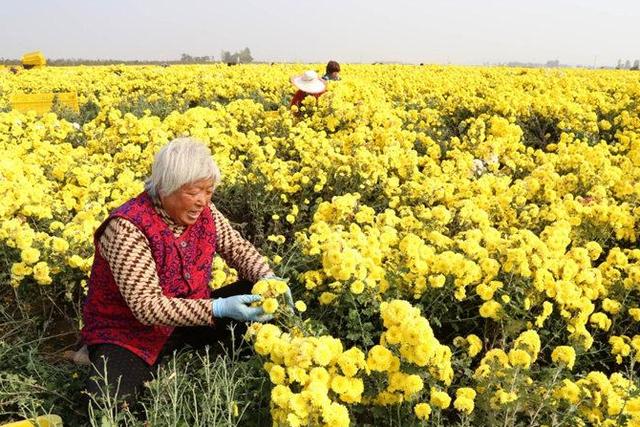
43 102
43 421
34 59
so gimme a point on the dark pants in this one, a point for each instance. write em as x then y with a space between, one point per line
126 373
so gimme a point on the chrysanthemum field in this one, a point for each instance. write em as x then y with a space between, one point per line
461 241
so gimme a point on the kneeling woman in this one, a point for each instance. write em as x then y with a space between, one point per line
149 286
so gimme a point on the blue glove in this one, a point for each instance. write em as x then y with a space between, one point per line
287 294
236 308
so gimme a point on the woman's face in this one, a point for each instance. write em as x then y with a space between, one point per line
187 203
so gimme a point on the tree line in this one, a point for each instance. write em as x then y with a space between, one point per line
240 57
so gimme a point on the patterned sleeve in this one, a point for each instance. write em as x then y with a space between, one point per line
238 252
127 251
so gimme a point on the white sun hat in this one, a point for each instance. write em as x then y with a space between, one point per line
309 82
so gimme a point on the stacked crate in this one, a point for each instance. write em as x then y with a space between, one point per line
43 102
33 59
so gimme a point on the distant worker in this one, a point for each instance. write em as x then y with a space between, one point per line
332 72
307 83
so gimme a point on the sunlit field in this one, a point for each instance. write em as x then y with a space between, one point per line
461 242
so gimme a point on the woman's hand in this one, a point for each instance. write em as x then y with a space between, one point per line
237 308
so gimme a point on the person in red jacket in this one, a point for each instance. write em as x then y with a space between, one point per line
307 83
149 288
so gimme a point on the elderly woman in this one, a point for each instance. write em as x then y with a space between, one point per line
149 286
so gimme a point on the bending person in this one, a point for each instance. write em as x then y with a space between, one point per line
149 288
307 83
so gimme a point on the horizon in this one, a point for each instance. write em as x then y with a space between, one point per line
116 61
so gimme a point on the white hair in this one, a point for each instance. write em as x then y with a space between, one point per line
181 161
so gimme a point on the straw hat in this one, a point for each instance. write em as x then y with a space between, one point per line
309 82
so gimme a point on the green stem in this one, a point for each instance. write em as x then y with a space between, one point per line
546 395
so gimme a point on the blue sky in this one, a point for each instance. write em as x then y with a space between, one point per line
456 31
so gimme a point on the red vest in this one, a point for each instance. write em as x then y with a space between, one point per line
183 265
